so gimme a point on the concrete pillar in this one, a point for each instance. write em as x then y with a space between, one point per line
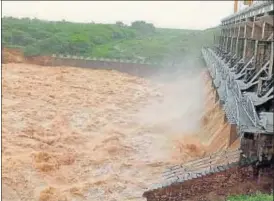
221 41
253 28
256 31
237 40
263 30
245 42
231 44
226 40
233 38
255 51
248 27
244 51
271 60
226 43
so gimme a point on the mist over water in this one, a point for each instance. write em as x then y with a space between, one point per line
180 105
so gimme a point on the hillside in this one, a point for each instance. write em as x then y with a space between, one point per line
139 41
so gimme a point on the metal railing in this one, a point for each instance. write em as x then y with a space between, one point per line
255 9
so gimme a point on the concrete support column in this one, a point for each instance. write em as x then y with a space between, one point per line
245 40
228 38
271 60
244 51
225 39
226 43
222 39
248 27
237 40
263 30
233 39
253 28
256 30
223 42
256 49
231 44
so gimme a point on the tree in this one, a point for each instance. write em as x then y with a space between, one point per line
143 27
120 24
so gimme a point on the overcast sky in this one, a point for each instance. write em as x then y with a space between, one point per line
169 14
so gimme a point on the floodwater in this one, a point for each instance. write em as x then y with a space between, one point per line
78 134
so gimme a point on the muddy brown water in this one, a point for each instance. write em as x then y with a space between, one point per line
79 134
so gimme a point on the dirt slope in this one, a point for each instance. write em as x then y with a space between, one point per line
215 187
12 56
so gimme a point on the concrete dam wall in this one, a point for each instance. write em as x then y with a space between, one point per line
130 67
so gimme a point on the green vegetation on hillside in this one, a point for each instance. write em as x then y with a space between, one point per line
140 41
256 197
